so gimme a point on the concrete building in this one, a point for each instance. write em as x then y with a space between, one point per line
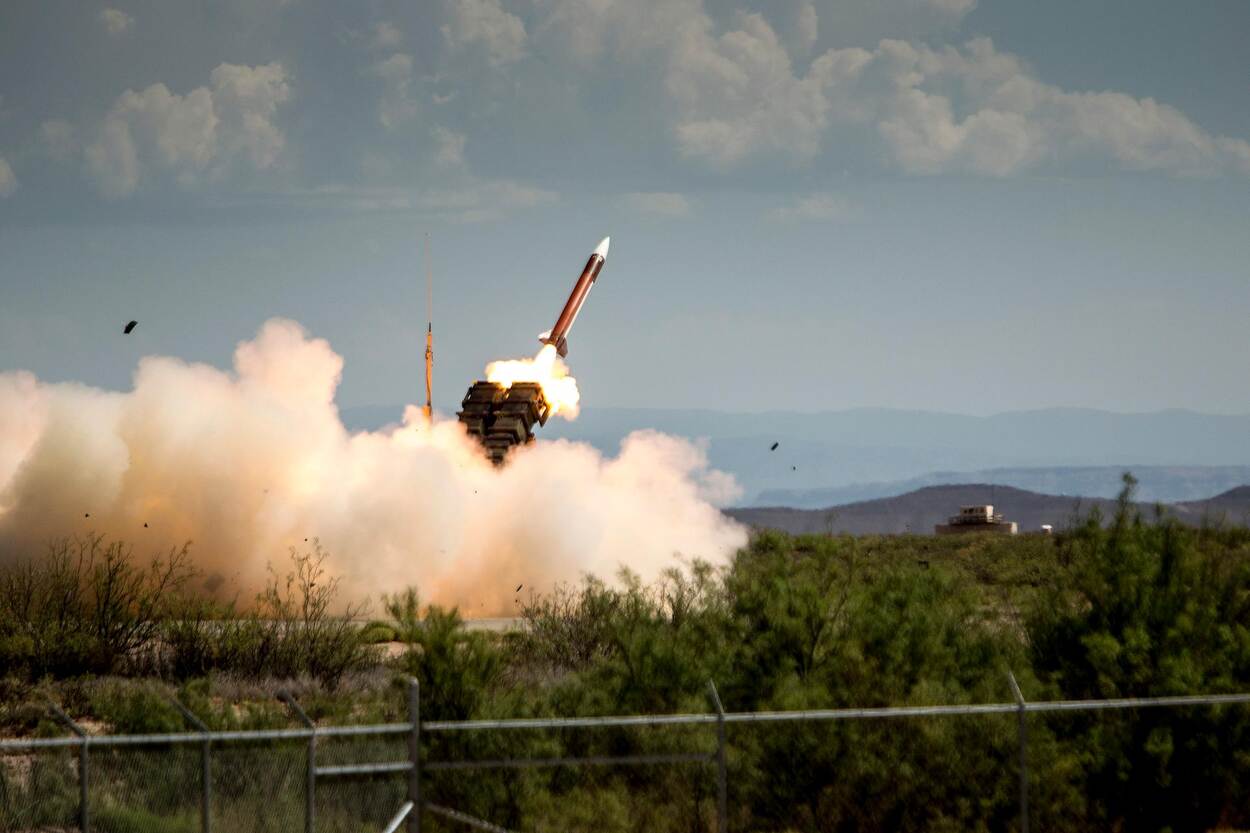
979 518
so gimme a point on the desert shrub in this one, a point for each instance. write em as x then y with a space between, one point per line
296 627
43 796
121 819
457 669
87 606
135 707
1151 609
404 608
567 629
376 633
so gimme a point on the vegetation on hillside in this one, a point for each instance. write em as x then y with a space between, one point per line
1135 607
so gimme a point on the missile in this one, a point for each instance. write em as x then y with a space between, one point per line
558 335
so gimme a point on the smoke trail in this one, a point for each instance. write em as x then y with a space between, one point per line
248 463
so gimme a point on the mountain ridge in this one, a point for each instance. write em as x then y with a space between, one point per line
918 511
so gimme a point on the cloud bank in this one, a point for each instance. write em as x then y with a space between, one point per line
192 136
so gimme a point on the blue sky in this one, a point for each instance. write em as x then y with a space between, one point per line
936 204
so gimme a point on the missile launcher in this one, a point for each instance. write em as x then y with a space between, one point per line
502 418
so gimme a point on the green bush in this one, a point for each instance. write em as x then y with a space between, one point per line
133 707
1152 609
376 633
1119 606
457 669
293 629
86 606
114 819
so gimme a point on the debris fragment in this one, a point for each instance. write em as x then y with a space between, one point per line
130 327
774 448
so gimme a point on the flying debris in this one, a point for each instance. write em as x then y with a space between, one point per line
774 448
130 327
558 335
518 588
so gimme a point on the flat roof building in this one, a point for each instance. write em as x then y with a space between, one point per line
977 518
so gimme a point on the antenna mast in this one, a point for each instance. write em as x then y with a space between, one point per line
429 335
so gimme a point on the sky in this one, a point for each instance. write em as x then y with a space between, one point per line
958 205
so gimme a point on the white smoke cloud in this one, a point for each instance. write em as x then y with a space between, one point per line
249 462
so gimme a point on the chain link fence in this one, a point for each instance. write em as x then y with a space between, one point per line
574 773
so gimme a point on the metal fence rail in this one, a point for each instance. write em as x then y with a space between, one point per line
415 763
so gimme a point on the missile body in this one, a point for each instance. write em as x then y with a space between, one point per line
558 335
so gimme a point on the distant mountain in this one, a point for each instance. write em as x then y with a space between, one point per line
1166 484
920 510
842 448
827 450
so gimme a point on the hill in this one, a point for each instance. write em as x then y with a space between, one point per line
1168 484
918 511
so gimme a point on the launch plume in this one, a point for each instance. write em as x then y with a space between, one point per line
250 462
551 374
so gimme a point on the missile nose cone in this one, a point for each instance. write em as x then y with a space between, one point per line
602 248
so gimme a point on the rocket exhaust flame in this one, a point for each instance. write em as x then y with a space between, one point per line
549 371
547 368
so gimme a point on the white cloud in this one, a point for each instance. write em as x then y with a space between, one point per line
736 93
954 8
247 100
1009 121
467 199
387 36
116 22
192 136
730 95
479 200
396 106
8 180
816 207
450 152
661 203
485 23
59 139
808 26
113 161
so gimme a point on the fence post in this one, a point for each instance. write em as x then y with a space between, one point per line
414 755
206 766
1024 753
722 778
310 786
84 805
